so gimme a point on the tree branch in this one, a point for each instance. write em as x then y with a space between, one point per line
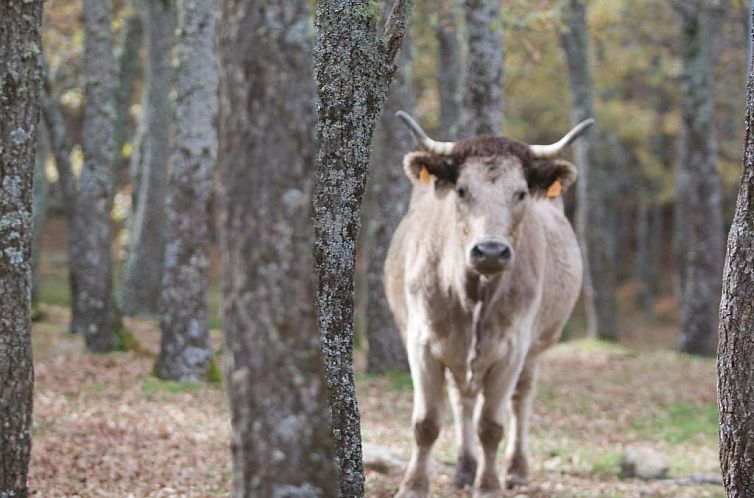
395 28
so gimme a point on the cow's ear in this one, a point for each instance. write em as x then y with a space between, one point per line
422 167
551 177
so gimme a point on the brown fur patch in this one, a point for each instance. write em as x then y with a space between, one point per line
441 167
491 145
426 431
546 172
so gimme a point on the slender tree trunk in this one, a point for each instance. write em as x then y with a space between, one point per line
592 188
129 72
353 67
735 356
141 280
39 203
185 351
281 440
93 265
698 219
484 77
449 70
388 194
20 83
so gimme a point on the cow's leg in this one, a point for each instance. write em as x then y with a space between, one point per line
517 449
463 405
428 379
496 391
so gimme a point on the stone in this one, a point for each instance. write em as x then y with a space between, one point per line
643 462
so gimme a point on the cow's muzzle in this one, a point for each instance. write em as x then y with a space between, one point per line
490 256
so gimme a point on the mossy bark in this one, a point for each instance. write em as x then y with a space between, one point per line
185 351
20 84
281 441
353 67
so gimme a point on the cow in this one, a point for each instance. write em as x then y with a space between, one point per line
481 275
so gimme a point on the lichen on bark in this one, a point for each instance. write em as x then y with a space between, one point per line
20 84
353 67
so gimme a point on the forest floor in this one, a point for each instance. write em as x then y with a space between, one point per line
105 427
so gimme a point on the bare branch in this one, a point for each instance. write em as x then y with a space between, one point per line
395 28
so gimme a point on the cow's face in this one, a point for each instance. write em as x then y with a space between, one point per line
490 195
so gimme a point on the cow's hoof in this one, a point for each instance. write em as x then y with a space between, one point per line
481 493
513 480
465 471
412 493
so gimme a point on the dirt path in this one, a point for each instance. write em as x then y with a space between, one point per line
105 428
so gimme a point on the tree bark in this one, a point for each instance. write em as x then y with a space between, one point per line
20 84
143 269
484 77
185 351
388 194
93 265
698 219
353 67
281 440
129 72
735 357
449 71
593 186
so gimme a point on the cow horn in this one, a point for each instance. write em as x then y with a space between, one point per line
441 148
548 151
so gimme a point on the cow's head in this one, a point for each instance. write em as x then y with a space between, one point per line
490 181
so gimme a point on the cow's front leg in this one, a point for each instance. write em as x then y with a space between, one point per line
428 379
516 453
463 405
497 389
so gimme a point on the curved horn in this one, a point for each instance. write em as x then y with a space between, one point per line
548 151
441 148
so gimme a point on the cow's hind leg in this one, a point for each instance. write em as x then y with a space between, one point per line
428 379
517 449
463 406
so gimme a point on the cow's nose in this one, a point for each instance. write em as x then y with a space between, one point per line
490 256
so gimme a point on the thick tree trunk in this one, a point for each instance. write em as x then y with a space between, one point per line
93 265
388 194
353 68
484 76
449 71
185 351
592 188
281 440
20 84
698 219
39 203
143 269
735 357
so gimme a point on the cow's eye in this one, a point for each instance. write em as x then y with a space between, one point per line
520 195
462 192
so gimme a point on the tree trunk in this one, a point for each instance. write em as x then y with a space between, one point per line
185 351
449 71
143 269
93 265
281 440
698 219
20 82
388 194
39 210
593 185
735 357
353 68
484 76
129 72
